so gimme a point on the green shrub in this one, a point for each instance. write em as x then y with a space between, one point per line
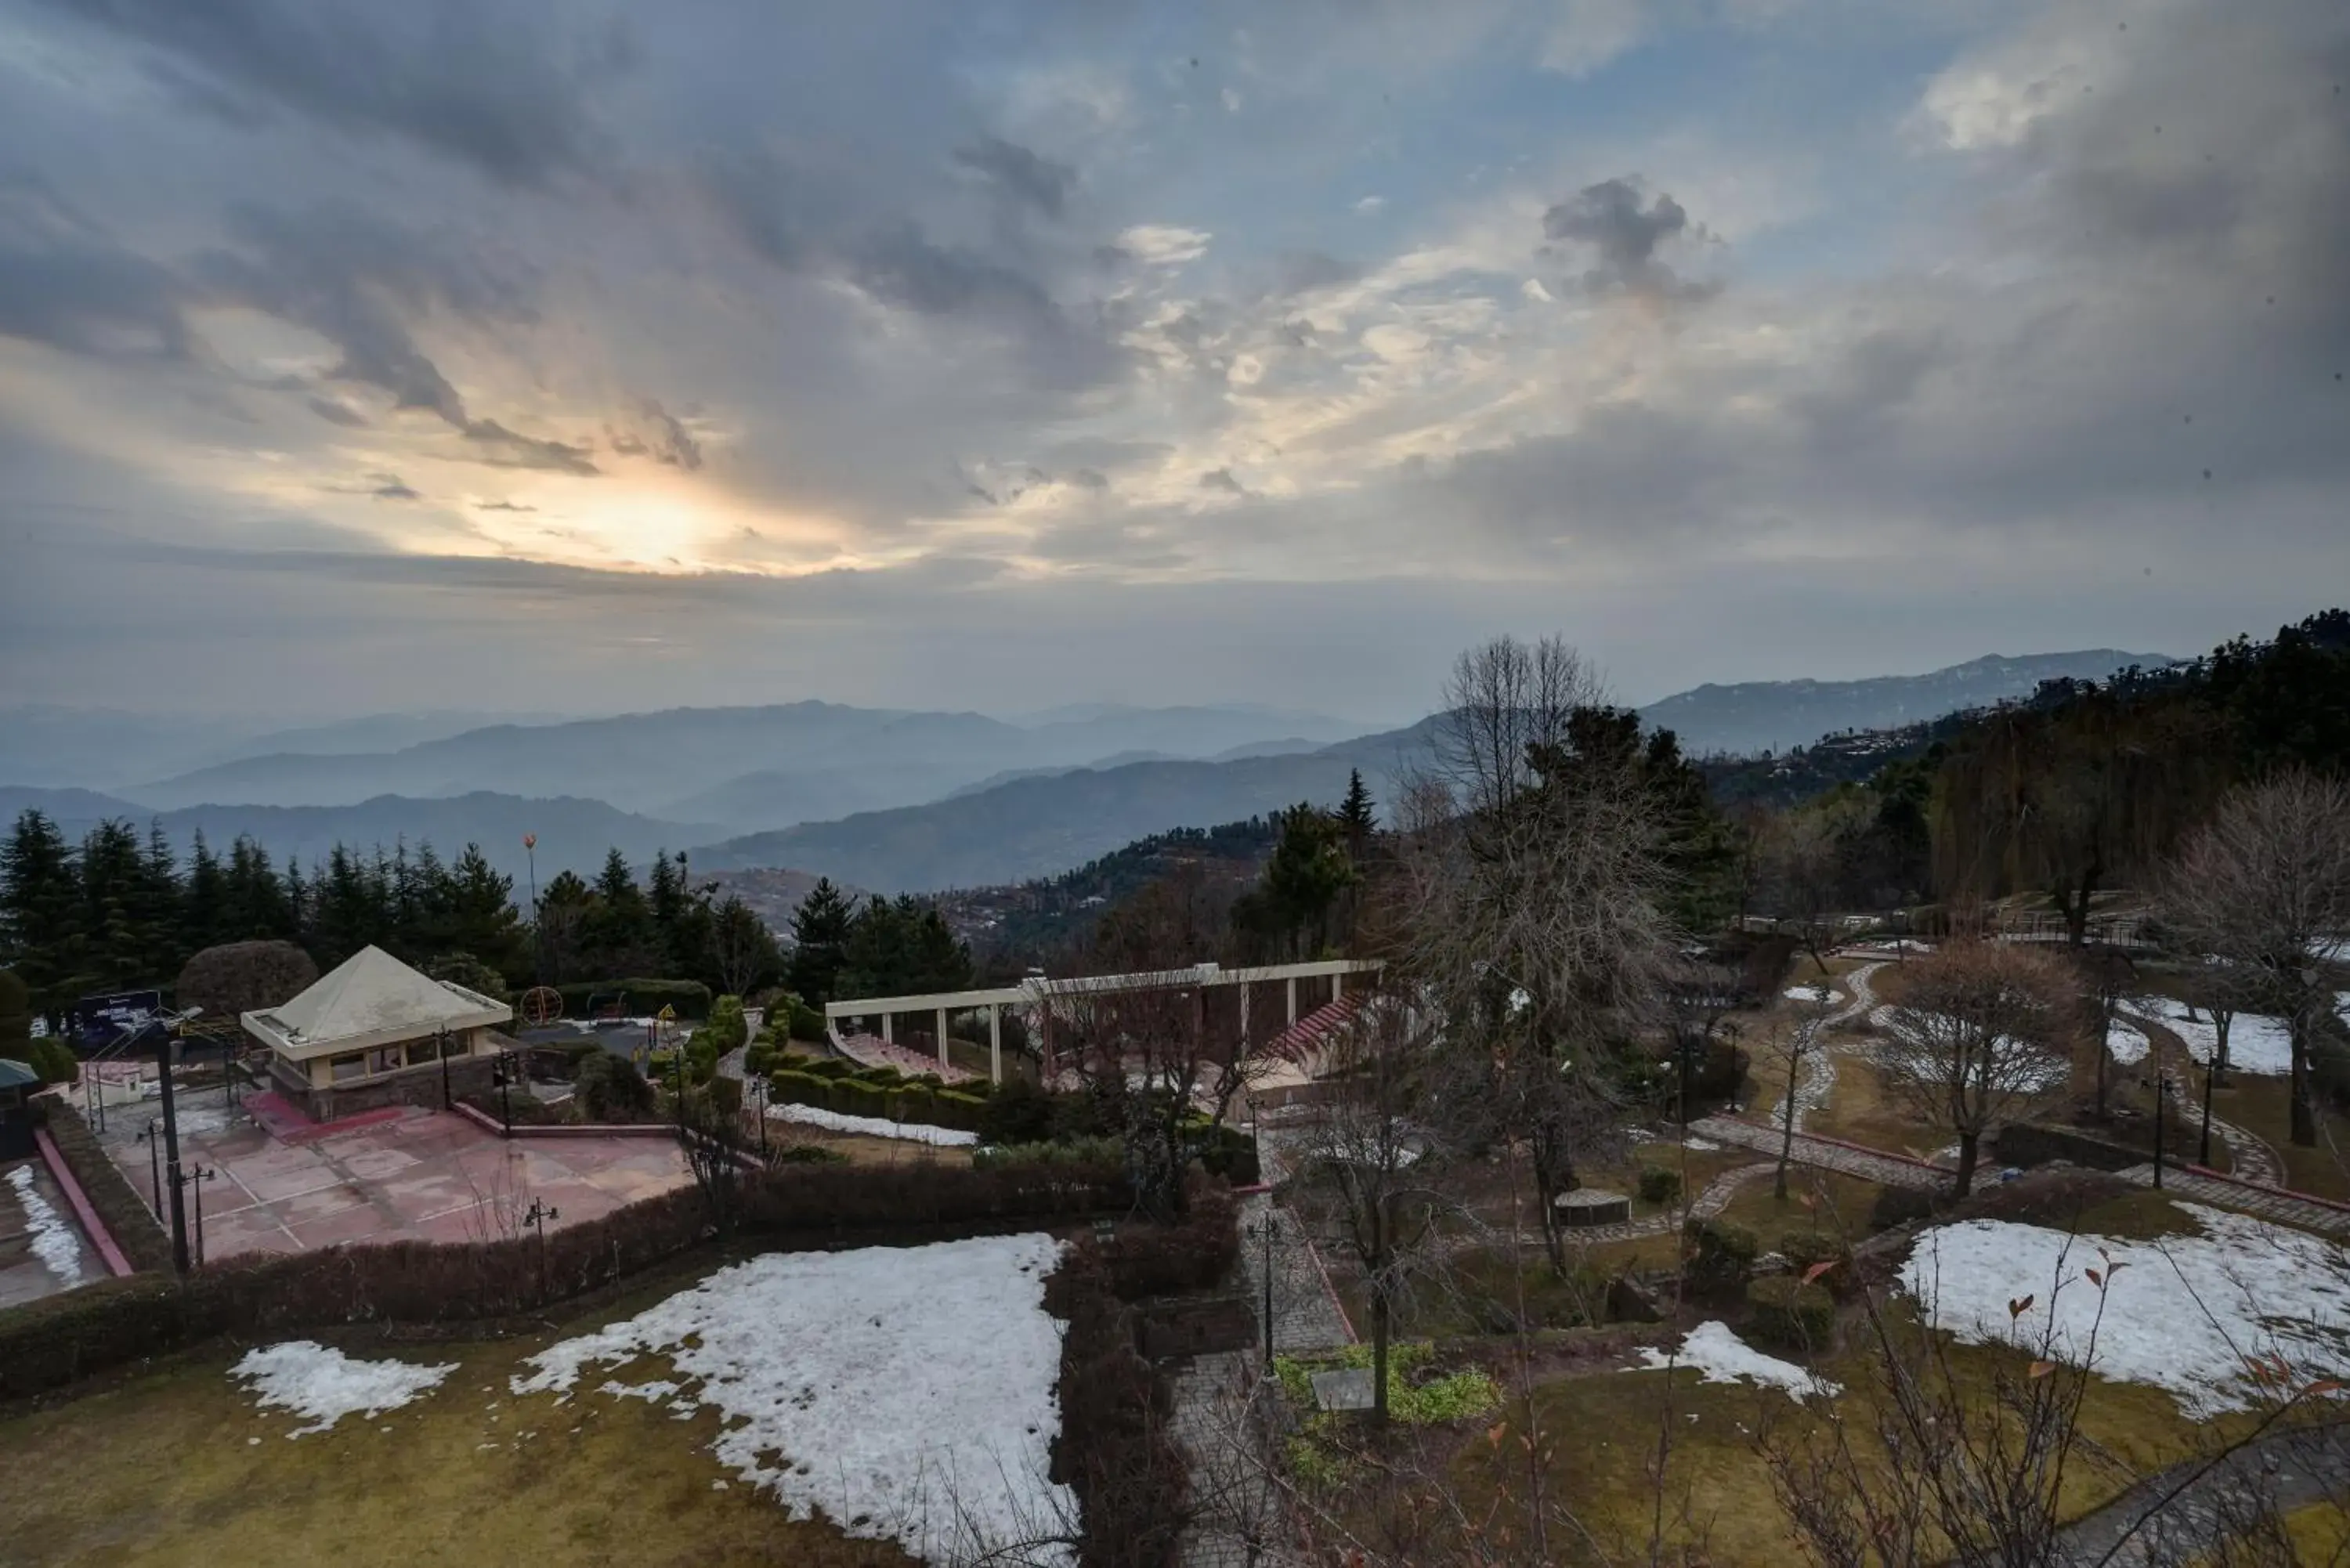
609 1087
1786 1313
1804 1249
759 1060
1094 1153
727 1028
1659 1184
798 1089
1719 1255
959 1111
914 1103
726 1094
808 1154
688 998
1899 1206
856 1099
53 1059
805 1023
1020 1112
830 1067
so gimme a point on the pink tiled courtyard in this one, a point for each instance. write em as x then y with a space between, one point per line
422 1175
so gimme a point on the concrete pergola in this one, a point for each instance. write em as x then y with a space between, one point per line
1039 993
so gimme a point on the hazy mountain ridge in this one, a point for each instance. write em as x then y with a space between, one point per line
1773 715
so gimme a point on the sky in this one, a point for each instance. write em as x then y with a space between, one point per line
578 357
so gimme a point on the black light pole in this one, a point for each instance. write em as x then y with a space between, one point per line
441 1048
505 1088
1266 1228
2203 1155
196 1178
538 1216
172 1155
155 1164
2160 1095
538 947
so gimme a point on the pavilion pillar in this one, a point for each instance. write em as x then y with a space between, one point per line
886 1038
1337 985
995 1042
942 1039
1293 999
1245 989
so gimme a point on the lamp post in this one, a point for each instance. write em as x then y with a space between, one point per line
537 946
196 1177
1267 1231
2203 1152
171 1153
2161 1092
537 1217
154 1165
502 1075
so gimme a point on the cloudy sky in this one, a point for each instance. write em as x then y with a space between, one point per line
577 356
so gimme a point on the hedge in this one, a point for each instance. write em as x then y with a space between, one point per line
1804 1250
1786 1313
1719 1255
646 998
46 1344
145 1244
1659 1184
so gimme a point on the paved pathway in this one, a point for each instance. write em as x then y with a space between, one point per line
1825 1153
2193 1513
1238 1518
2265 1203
2250 1157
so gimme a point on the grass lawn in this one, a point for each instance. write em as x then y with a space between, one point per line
180 1465
861 1150
1601 1431
2262 1104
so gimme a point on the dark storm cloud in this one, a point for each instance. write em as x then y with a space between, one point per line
1043 183
65 283
1610 219
507 92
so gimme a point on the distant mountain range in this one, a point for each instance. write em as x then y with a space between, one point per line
882 799
1773 715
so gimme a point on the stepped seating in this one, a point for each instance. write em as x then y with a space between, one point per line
1306 1039
872 1051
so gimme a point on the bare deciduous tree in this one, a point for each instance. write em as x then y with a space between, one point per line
1797 1049
1976 1034
1529 910
2265 886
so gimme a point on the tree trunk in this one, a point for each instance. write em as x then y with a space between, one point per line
2304 1111
1787 1135
1377 1262
1966 1182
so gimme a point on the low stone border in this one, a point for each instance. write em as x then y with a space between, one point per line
91 1225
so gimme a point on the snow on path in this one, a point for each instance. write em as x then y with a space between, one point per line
1821 994
1723 1357
310 1379
872 1126
55 1241
2256 1044
2128 1046
831 1365
2180 1312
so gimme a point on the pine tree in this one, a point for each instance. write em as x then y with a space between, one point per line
820 929
481 919
204 910
39 907
1355 815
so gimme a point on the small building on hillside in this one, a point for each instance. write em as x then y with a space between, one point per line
372 1031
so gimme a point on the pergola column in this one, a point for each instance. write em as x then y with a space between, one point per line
1338 984
942 1039
1293 999
886 1039
994 1042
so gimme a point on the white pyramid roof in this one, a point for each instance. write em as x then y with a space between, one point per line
372 999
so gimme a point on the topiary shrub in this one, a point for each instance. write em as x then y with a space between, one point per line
830 1067
914 1103
960 1112
856 1099
1899 1206
53 1059
726 1094
1786 1313
1018 1113
1807 1249
788 1088
244 977
805 1023
759 1059
1719 1256
608 1088
1659 1184
727 1027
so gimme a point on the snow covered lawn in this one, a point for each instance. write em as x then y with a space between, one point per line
1723 1357
2256 1044
325 1385
908 1393
872 1126
2180 1312
1820 995
2126 1044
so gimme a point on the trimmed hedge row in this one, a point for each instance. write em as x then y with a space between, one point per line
690 998
145 1244
878 1092
59 1339
1786 1313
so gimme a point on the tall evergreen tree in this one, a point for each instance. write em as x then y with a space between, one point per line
203 910
39 907
481 915
820 928
1357 818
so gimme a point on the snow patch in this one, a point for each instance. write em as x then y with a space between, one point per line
872 1126
55 1241
2180 1312
1723 1357
323 1385
2126 1044
2257 1043
1819 995
837 1366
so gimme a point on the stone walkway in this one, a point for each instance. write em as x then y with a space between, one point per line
1239 1517
2192 1513
2264 1202
1825 1153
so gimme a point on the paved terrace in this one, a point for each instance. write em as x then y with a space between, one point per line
400 1174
